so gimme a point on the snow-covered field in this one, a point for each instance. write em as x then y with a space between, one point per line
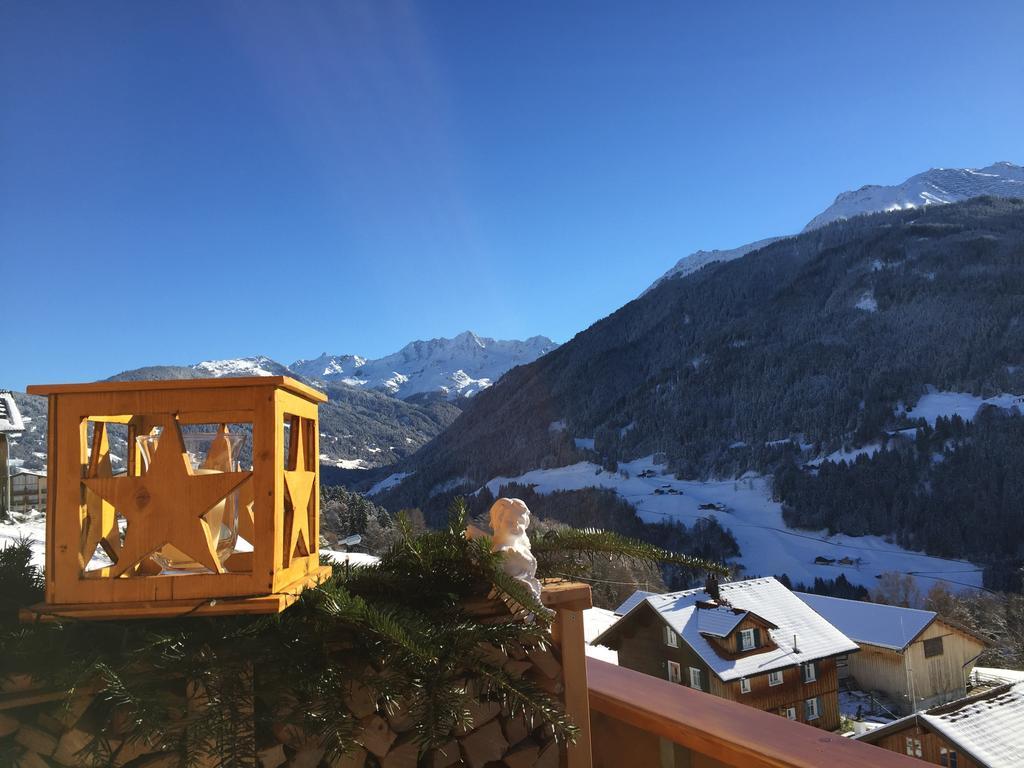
963 404
36 533
744 506
388 482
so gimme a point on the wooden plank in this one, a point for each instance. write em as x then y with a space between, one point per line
572 643
717 728
267 436
240 416
193 606
297 406
117 418
571 595
52 463
69 510
314 523
228 382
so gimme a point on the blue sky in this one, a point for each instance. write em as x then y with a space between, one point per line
184 181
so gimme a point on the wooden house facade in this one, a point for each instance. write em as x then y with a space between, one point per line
753 643
28 490
916 658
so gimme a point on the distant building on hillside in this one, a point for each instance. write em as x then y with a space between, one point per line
751 641
28 490
917 658
981 731
11 423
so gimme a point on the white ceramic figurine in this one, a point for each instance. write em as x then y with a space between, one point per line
509 520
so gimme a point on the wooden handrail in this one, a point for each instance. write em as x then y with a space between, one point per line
732 733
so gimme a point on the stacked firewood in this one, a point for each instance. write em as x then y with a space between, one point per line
44 730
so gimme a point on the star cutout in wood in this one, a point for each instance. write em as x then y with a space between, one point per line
100 526
299 482
166 505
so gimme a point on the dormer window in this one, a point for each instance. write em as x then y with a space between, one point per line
749 639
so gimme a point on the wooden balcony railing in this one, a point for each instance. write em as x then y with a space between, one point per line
639 720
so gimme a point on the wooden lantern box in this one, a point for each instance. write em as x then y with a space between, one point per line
130 510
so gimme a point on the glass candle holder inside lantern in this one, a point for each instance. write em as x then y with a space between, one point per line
209 453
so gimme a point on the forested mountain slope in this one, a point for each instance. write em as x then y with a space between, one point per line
811 341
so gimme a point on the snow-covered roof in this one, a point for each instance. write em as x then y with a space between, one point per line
23 471
633 601
596 621
887 626
996 676
351 558
719 621
989 728
770 600
10 416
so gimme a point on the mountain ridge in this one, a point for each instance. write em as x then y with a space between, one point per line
457 367
936 186
365 424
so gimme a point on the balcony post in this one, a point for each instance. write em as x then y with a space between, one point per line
569 600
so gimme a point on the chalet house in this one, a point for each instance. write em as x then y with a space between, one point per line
982 731
11 424
916 658
752 642
28 490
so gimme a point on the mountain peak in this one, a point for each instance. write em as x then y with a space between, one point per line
936 186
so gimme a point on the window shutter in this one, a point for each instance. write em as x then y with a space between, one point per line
757 638
739 642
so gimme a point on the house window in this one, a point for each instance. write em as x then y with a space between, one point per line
744 685
747 639
789 712
675 675
671 638
810 671
913 747
775 678
948 757
695 678
933 647
811 711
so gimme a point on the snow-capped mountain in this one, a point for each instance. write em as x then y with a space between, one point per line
700 259
242 366
457 367
452 368
938 186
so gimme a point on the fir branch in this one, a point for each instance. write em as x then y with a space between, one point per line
575 542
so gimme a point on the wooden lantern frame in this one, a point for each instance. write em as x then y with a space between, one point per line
80 515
